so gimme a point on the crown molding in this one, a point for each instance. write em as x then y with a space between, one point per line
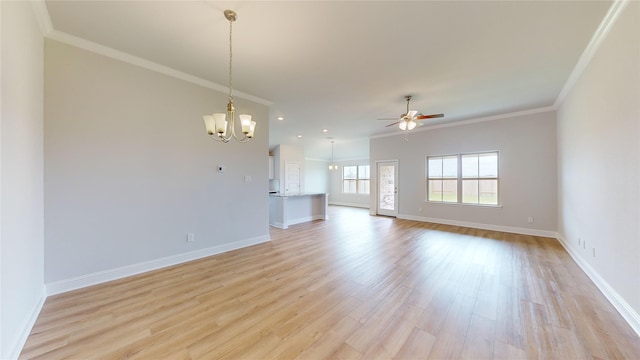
149 65
42 16
468 122
601 33
44 20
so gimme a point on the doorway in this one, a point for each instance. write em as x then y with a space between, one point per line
387 188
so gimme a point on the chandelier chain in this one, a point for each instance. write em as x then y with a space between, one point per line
230 61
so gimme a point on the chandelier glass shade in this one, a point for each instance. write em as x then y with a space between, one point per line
221 126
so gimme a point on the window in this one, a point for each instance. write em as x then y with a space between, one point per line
443 178
480 179
355 179
464 178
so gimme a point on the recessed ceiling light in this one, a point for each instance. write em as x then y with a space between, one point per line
299 136
280 118
324 130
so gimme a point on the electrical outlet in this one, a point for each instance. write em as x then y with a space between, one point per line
247 178
530 219
190 237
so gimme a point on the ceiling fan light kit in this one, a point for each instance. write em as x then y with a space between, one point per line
409 120
407 125
221 126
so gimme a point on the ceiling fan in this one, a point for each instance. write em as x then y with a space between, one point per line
409 120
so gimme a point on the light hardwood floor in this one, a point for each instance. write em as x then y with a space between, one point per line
352 287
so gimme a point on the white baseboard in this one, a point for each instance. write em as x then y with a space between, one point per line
618 302
510 229
339 203
26 327
301 220
62 286
278 225
306 219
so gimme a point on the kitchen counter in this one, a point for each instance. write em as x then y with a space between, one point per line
290 209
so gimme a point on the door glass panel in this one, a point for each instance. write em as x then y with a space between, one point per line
387 187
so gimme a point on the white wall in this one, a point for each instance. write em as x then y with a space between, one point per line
599 166
336 197
21 177
527 170
316 176
130 170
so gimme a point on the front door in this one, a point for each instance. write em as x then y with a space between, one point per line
388 188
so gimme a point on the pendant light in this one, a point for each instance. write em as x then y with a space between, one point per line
221 126
332 166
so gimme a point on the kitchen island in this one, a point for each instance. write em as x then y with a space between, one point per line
290 209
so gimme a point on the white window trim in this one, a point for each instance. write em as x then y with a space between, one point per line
459 180
342 179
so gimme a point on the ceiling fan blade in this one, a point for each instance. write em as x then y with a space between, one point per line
411 114
422 117
395 123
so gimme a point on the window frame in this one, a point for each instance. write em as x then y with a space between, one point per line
442 178
460 179
357 180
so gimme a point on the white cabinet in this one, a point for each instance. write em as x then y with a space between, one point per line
271 167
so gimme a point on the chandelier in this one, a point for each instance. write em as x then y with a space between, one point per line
332 166
221 126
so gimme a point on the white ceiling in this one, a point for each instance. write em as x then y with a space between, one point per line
340 65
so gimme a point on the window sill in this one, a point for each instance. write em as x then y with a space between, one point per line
499 206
